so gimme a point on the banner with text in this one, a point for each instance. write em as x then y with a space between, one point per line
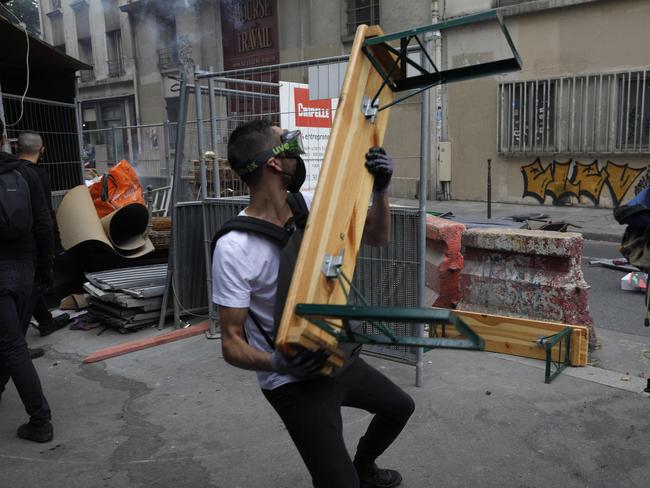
313 118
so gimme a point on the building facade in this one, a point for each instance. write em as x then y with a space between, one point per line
573 126
139 47
94 32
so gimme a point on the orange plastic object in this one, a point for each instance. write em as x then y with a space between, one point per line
119 188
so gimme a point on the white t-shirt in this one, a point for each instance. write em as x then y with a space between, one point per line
245 275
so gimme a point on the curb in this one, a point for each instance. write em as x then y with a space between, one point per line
602 236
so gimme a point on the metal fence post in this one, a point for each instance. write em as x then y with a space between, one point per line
425 140
115 156
216 183
211 333
167 150
172 264
5 148
80 137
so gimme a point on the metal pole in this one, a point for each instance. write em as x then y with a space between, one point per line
211 333
80 138
425 141
115 157
199 132
489 189
216 184
171 280
168 168
6 147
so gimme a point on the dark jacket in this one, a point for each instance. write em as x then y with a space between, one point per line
44 176
37 246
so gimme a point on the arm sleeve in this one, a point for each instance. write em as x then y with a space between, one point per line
42 222
231 276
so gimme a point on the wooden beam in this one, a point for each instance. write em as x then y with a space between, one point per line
338 212
516 336
140 344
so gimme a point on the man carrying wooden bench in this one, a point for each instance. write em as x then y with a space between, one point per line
246 273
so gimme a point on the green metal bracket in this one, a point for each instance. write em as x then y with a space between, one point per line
320 314
555 367
395 75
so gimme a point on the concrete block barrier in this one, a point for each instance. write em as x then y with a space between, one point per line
525 273
444 261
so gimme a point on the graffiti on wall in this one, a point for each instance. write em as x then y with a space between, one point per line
643 182
561 180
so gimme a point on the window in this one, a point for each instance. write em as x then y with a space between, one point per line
115 55
362 12
168 52
86 55
633 99
113 122
597 113
56 4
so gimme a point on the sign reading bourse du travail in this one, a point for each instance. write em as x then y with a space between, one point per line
249 33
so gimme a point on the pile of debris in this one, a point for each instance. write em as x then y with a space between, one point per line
128 298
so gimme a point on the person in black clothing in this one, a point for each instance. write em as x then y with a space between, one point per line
31 150
23 262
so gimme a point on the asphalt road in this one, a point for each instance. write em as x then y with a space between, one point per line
611 307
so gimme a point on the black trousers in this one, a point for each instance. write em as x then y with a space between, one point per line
39 308
311 412
16 281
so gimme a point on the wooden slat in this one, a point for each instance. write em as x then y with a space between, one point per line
338 212
516 336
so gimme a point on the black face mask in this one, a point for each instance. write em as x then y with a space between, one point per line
298 176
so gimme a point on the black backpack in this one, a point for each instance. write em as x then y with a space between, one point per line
15 206
288 238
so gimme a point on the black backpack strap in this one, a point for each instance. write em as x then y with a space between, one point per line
251 224
299 209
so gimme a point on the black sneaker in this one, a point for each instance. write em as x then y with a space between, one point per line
57 323
378 478
36 432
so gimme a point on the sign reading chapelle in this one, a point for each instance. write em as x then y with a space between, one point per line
314 118
250 33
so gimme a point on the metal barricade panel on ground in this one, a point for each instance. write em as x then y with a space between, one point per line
387 276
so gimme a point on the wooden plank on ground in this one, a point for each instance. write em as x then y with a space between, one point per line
516 336
132 346
338 212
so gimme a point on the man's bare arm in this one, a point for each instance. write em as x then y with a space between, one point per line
377 229
236 351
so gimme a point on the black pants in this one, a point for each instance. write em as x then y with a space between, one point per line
38 308
16 281
311 412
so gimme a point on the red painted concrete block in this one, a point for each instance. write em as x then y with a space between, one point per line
525 273
444 261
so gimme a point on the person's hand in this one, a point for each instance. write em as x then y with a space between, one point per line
381 166
303 365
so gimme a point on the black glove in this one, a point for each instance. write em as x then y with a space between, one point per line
303 365
381 166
